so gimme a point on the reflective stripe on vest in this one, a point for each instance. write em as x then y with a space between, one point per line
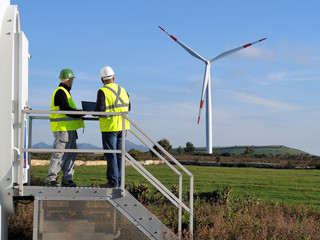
116 104
62 122
116 100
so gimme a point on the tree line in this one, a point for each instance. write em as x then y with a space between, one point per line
190 149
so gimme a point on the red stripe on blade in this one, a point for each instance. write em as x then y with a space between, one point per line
161 28
201 104
198 119
247 45
262 39
173 38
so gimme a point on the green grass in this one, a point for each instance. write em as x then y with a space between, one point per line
290 186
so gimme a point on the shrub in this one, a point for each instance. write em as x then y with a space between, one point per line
290 165
189 148
163 143
180 150
219 196
139 191
249 151
20 226
41 156
136 154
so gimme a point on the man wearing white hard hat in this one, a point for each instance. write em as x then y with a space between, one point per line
112 98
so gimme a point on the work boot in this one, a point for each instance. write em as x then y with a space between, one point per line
52 184
68 183
107 185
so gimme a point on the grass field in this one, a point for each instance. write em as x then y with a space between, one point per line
290 186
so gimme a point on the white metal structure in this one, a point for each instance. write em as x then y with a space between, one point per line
144 138
13 97
206 87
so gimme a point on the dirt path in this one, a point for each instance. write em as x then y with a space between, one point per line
77 163
91 163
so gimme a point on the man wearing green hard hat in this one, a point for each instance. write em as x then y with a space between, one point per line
64 128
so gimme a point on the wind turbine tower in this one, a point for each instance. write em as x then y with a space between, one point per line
206 86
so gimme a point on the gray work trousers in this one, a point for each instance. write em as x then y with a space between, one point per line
63 161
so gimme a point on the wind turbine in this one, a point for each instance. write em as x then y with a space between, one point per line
206 87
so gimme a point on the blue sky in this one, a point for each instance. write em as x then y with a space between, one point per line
267 94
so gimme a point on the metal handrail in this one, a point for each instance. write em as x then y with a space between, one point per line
171 166
156 182
177 201
22 149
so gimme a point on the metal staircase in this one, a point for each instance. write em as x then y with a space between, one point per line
100 213
92 213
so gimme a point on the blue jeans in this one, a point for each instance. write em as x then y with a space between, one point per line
113 141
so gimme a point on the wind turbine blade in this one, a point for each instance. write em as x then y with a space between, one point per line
204 88
227 53
189 50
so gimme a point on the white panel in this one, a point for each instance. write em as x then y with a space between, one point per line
10 25
15 100
23 69
3 6
23 93
13 97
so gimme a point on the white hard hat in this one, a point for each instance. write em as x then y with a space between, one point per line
106 73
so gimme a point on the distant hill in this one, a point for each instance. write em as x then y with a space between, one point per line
42 145
269 149
129 145
86 146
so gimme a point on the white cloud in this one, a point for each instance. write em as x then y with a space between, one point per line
251 99
297 54
304 56
256 53
293 76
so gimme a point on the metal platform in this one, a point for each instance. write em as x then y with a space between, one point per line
70 193
92 213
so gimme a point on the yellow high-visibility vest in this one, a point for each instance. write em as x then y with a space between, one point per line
116 100
62 122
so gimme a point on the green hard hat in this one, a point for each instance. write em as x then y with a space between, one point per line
66 73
